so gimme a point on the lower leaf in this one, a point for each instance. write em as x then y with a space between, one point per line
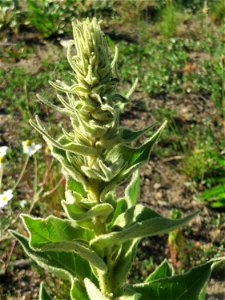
43 295
78 291
67 265
183 287
93 292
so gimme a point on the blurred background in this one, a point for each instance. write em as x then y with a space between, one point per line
177 51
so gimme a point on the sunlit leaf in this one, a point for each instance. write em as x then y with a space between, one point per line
162 271
179 287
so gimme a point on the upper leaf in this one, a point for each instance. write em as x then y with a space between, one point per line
149 227
131 158
128 135
133 189
134 214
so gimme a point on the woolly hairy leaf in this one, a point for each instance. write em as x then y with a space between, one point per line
70 169
134 156
50 230
43 295
179 287
78 291
66 265
128 135
125 259
83 251
70 147
141 229
121 206
135 214
102 211
132 159
93 292
133 189
129 294
72 206
162 271
75 186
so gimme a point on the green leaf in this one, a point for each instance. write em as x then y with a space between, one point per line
52 229
135 214
180 287
128 135
75 186
218 203
129 294
162 271
221 161
70 147
53 234
124 262
131 158
43 295
93 292
134 156
150 227
69 169
135 296
73 206
78 291
65 265
102 210
213 192
121 206
215 196
133 189
83 251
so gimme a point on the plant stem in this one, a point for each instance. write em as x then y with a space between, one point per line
22 173
35 175
1 175
55 187
105 281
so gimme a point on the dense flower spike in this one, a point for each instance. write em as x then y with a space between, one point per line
95 152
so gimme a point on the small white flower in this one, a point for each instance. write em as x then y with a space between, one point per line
2 161
3 150
30 148
64 43
23 203
5 197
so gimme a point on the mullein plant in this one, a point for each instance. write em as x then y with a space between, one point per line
95 243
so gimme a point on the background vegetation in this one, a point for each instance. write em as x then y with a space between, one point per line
176 49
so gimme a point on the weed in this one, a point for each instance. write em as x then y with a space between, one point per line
199 159
217 11
169 19
214 195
